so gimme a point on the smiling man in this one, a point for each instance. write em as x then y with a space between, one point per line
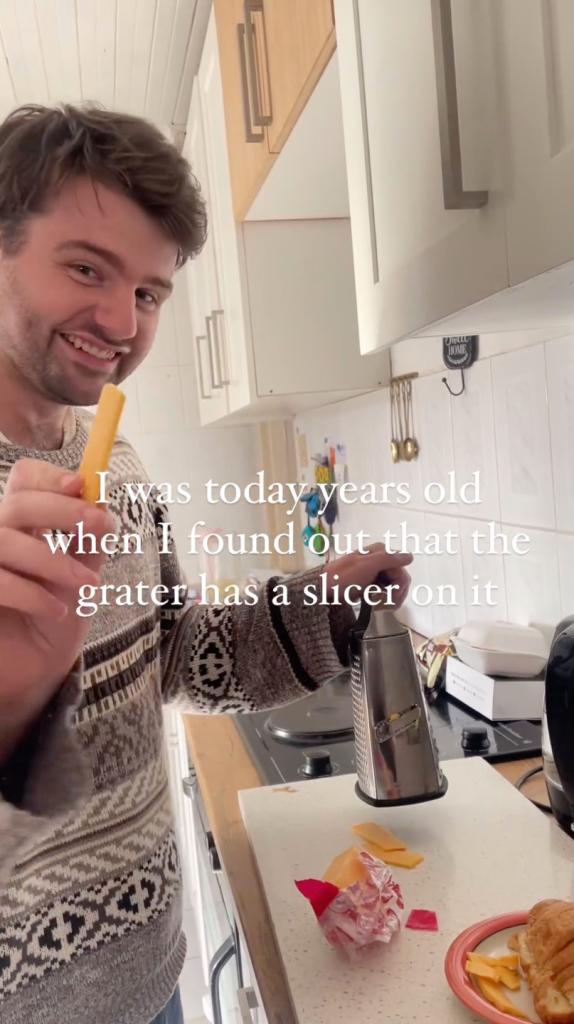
97 212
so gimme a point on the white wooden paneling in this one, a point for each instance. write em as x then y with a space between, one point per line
58 34
133 55
23 49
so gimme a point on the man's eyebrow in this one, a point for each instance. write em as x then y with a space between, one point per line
110 257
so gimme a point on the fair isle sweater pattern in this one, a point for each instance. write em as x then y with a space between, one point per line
90 882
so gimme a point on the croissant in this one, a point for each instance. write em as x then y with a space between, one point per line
546 949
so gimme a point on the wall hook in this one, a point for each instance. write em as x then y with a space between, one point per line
455 394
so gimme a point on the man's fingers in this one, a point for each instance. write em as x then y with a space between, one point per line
25 510
26 596
37 475
22 554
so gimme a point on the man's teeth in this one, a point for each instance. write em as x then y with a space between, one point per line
93 350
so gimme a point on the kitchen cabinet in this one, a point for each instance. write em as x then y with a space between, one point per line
272 54
539 85
458 118
280 295
203 288
419 253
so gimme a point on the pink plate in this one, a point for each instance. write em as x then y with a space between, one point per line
455 960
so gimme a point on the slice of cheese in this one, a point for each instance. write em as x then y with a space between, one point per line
101 440
512 960
346 869
494 993
398 858
379 835
481 970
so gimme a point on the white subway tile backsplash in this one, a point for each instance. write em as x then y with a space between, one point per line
479 569
515 425
475 440
560 368
448 608
532 581
523 438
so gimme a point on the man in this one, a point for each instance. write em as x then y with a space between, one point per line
97 211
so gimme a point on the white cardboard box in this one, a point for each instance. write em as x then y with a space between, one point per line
500 700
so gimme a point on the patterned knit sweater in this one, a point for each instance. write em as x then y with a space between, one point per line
90 917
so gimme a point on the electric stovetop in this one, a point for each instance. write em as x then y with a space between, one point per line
313 737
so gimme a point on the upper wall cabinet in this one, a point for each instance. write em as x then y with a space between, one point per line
273 303
458 122
426 207
272 54
539 90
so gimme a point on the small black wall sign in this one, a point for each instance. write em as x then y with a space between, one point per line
460 351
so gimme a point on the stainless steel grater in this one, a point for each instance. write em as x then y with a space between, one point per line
395 752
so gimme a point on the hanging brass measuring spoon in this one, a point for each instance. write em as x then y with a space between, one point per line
401 419
411 447
394 443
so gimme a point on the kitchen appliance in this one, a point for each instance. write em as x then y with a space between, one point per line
395 753
558 726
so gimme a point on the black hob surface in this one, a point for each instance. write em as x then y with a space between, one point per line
313 737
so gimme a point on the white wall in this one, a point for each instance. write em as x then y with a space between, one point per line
515 425
161 421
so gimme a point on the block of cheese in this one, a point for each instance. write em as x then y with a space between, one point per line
398 858
380 836
346 869
101 440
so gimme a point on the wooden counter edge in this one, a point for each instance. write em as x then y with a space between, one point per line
223 767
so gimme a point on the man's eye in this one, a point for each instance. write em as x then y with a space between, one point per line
84 270
148 298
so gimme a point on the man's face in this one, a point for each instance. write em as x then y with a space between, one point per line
92 271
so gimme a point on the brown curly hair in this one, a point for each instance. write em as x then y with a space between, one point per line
41 147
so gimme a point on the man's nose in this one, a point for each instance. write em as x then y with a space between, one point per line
116 314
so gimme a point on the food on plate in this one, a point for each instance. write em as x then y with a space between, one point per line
546 950
495 994
101 440
386 846
368 910
495 968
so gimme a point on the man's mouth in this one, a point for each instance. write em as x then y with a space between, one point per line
96 349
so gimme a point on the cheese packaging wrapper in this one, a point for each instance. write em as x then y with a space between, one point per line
367 911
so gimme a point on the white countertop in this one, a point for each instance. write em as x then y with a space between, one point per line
487 851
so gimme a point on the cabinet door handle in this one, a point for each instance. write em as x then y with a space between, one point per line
246 1001
250 91
366 143
217 963
209 325
198 340
220 346
252 7
455 197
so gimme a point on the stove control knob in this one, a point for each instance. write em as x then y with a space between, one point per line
475 739
317 762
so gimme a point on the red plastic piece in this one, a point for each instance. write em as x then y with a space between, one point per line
422 921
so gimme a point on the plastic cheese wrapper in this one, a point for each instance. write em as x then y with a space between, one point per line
367 911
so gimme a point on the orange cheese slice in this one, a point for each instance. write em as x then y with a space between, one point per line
398 858
379 835
346 869
495 995
512 960
101 440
